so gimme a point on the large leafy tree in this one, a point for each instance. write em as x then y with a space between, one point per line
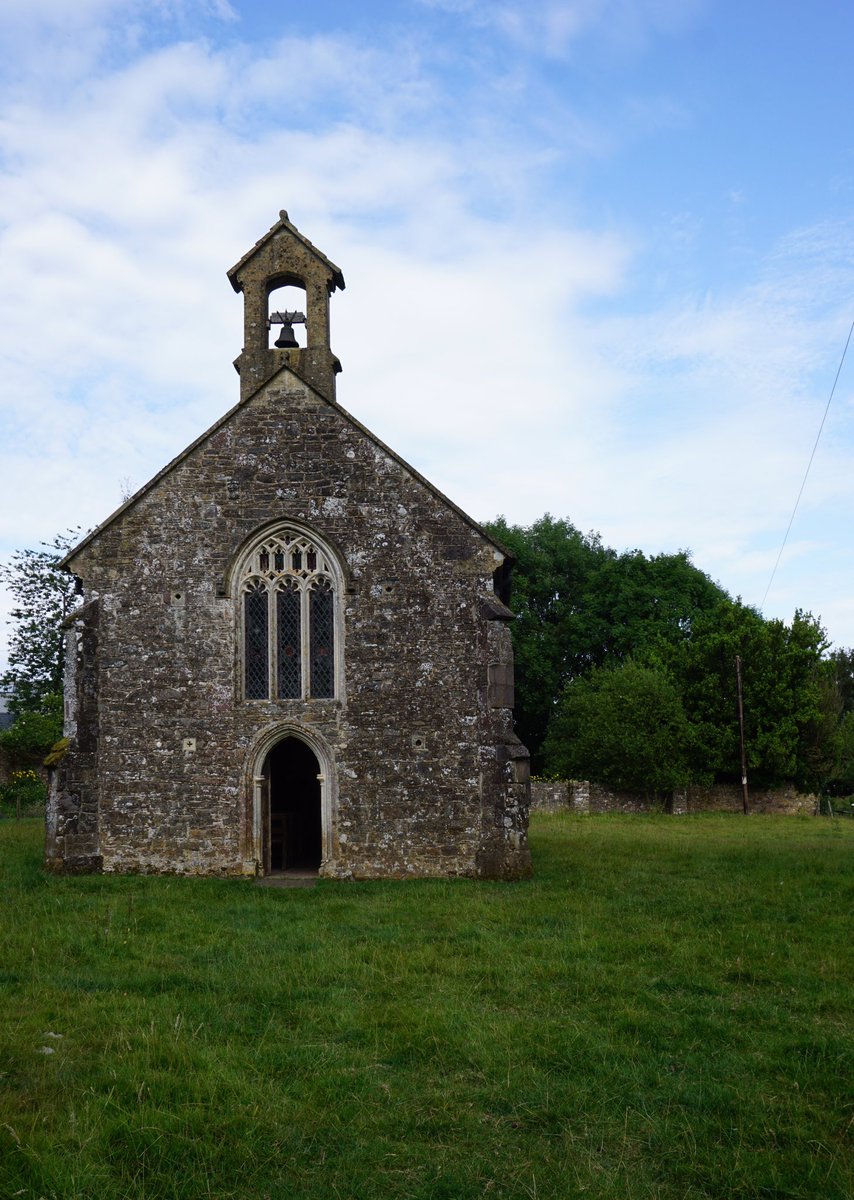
842 666
580 605
553 564
840 778
672 715
841 781
43 595
583 610
787 698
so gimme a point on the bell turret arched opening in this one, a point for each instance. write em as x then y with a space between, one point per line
286 317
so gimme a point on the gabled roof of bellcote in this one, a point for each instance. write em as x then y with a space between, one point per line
284 225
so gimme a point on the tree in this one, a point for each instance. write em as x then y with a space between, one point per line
841 780
623 726
43 595
842 665
553 561
580 605
788 722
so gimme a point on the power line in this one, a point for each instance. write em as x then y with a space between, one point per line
809 464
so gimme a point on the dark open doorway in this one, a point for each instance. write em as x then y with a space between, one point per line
293 827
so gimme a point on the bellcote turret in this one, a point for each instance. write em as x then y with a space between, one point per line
283 258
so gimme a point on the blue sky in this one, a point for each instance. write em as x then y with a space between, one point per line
599 256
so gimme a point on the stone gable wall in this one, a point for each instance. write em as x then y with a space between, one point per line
428 776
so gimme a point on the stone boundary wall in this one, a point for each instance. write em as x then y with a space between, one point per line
722 797
582 796
549 795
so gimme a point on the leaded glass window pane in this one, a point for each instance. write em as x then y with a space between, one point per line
288 614
289 643
322 633
255 644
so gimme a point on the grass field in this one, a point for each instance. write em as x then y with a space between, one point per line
663 1011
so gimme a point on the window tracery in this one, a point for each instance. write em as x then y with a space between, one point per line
287 591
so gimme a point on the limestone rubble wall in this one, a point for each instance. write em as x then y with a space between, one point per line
425 775
582 796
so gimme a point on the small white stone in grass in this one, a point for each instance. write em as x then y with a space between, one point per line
48 1033
46 1050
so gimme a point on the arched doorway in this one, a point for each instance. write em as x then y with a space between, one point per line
292 823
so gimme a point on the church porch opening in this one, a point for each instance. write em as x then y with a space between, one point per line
293 830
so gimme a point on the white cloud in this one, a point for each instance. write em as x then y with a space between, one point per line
121 211
553 27
27 15
477 336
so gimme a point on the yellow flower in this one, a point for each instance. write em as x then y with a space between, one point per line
24 777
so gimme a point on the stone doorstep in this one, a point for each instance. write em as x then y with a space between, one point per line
288 879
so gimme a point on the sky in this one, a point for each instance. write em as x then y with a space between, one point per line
599 257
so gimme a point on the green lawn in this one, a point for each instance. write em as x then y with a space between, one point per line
663 1011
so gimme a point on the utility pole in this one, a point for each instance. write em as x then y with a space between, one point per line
741 737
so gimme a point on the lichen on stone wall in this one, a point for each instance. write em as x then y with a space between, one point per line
425 774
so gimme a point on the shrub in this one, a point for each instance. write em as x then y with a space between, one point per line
24 793
34 732
622 726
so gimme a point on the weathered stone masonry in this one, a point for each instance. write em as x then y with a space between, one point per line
584 796
421 773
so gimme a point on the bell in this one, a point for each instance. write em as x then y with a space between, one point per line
286 339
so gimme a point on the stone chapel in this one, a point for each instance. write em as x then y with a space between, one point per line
292 652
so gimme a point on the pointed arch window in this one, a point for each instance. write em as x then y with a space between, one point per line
288 591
